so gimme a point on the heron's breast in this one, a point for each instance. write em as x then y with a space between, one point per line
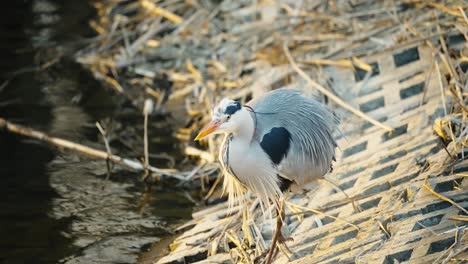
248 160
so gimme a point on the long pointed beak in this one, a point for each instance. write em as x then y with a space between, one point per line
210 128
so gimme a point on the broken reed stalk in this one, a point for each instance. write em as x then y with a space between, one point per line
356 207
158 11
147 109
305 209
329 94
461 218
84 150
108 149
443 198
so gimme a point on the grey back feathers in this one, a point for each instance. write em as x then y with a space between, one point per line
299 129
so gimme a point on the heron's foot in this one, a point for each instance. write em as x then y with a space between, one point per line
282 239
279 243
271 253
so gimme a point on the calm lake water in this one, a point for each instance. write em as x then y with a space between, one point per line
59 207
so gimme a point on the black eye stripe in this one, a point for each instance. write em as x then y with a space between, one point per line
231 109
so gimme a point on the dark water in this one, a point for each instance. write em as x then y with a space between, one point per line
58 206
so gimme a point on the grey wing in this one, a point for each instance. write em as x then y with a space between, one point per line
310 125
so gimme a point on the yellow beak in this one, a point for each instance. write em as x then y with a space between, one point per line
210 128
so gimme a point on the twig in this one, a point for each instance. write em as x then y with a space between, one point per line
245 227
305 209
4 84
451 257
9 102
147 109
330 95
463 218
443 198
458 239
158 11
108 149
383 228
85 150
234 239
463 14
212 189
356 208
193 173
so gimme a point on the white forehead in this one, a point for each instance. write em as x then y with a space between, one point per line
221 107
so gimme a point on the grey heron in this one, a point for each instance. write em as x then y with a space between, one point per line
278 139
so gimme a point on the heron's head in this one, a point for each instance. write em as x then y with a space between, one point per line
228 117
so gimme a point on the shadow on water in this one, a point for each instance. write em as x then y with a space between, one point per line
55 206
28 234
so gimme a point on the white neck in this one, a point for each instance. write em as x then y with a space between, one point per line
246 127
243 157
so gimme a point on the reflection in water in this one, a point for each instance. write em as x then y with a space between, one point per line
58 206
28 234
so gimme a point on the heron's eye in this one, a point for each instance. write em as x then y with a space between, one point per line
228 117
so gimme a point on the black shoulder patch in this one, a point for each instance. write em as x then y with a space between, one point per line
276 144
231 109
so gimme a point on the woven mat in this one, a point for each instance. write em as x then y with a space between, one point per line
399 220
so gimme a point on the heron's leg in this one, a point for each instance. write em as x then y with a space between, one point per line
278 238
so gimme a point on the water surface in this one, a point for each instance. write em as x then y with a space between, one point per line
58 206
